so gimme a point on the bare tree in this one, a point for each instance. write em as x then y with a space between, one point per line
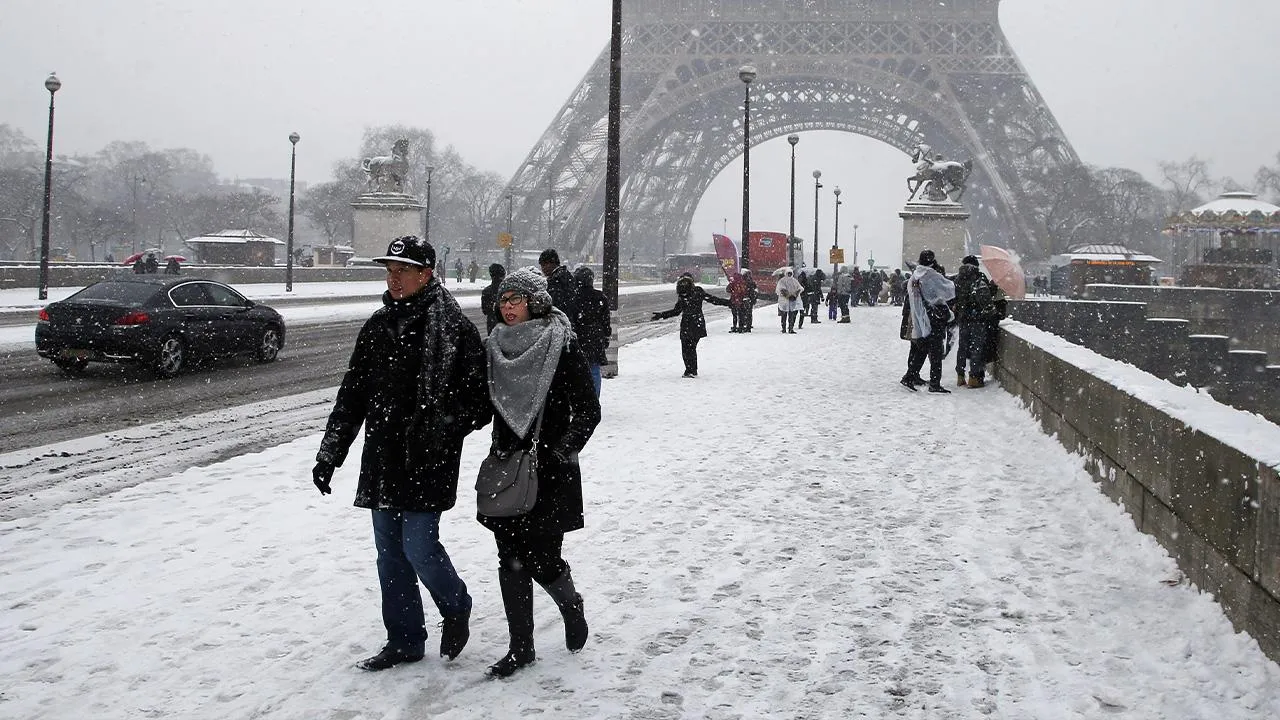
1188 182
1268 181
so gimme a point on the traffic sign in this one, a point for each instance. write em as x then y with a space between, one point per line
837 256
505 240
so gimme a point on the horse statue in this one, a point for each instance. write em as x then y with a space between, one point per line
387 173
936 179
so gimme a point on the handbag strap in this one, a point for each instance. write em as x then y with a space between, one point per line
537 428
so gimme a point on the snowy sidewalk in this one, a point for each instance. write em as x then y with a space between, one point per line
791 535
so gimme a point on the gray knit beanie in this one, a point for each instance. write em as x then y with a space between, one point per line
529 282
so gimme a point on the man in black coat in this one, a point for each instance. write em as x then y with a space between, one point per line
417 382
593 328
489 297
564 293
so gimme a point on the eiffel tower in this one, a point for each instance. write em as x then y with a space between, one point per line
900 71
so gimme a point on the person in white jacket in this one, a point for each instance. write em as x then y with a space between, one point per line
789 290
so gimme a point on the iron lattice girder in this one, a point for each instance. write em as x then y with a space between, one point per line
900 71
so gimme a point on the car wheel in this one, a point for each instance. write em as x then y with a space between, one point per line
71 366
269 344
171 356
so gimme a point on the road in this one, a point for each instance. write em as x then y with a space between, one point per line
64 438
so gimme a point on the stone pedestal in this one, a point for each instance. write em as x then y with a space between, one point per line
379 218
939 226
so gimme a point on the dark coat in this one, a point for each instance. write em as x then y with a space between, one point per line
564 293
593 327
416 409
689 297
570 416
489 303
975 296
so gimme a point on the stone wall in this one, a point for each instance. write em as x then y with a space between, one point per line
1170 348
1250 318
1215 508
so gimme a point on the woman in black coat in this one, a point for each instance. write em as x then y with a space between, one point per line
538 374
693 325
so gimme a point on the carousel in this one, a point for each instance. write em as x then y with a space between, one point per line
1231 242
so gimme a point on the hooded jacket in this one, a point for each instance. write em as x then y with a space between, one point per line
593 326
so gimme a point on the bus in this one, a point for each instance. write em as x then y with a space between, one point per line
704 267
768 253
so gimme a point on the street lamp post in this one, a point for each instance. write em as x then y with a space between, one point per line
855 245
293 173
791 236
506 260
52 84
747 75
426 228
817 185
835 243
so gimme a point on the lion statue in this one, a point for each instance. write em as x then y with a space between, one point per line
388 173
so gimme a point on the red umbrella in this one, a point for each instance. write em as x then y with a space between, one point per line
1005 271
134 258
179 258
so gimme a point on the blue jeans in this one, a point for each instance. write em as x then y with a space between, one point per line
595 378
409 549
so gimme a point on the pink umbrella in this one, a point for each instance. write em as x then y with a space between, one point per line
179 258
1005 271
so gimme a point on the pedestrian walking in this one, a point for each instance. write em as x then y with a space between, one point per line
737 290
976 314
593 327
749 306
843 286
693 325
789 291
560 284
472 270
539 386
925 318
416 381
489 296
172 267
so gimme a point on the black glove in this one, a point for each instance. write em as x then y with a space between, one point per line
321 474
656 316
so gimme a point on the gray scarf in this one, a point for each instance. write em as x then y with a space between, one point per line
522 362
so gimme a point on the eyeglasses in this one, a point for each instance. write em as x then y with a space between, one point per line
513 300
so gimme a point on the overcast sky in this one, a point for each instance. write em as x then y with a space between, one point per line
1133 82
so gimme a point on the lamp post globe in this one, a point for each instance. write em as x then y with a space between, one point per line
52 84
747 74
293 168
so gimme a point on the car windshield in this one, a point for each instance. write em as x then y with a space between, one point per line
122 292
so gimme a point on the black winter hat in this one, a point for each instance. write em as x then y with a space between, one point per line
411 250
584 275
927 258
970 260
549 256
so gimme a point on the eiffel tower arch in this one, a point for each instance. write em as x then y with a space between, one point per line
900 71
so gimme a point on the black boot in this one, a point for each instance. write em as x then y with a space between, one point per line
571 609
517 600
454 633
389 657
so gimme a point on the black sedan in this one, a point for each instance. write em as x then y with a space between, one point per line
162 322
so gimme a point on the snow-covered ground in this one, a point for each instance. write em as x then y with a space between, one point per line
790 535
